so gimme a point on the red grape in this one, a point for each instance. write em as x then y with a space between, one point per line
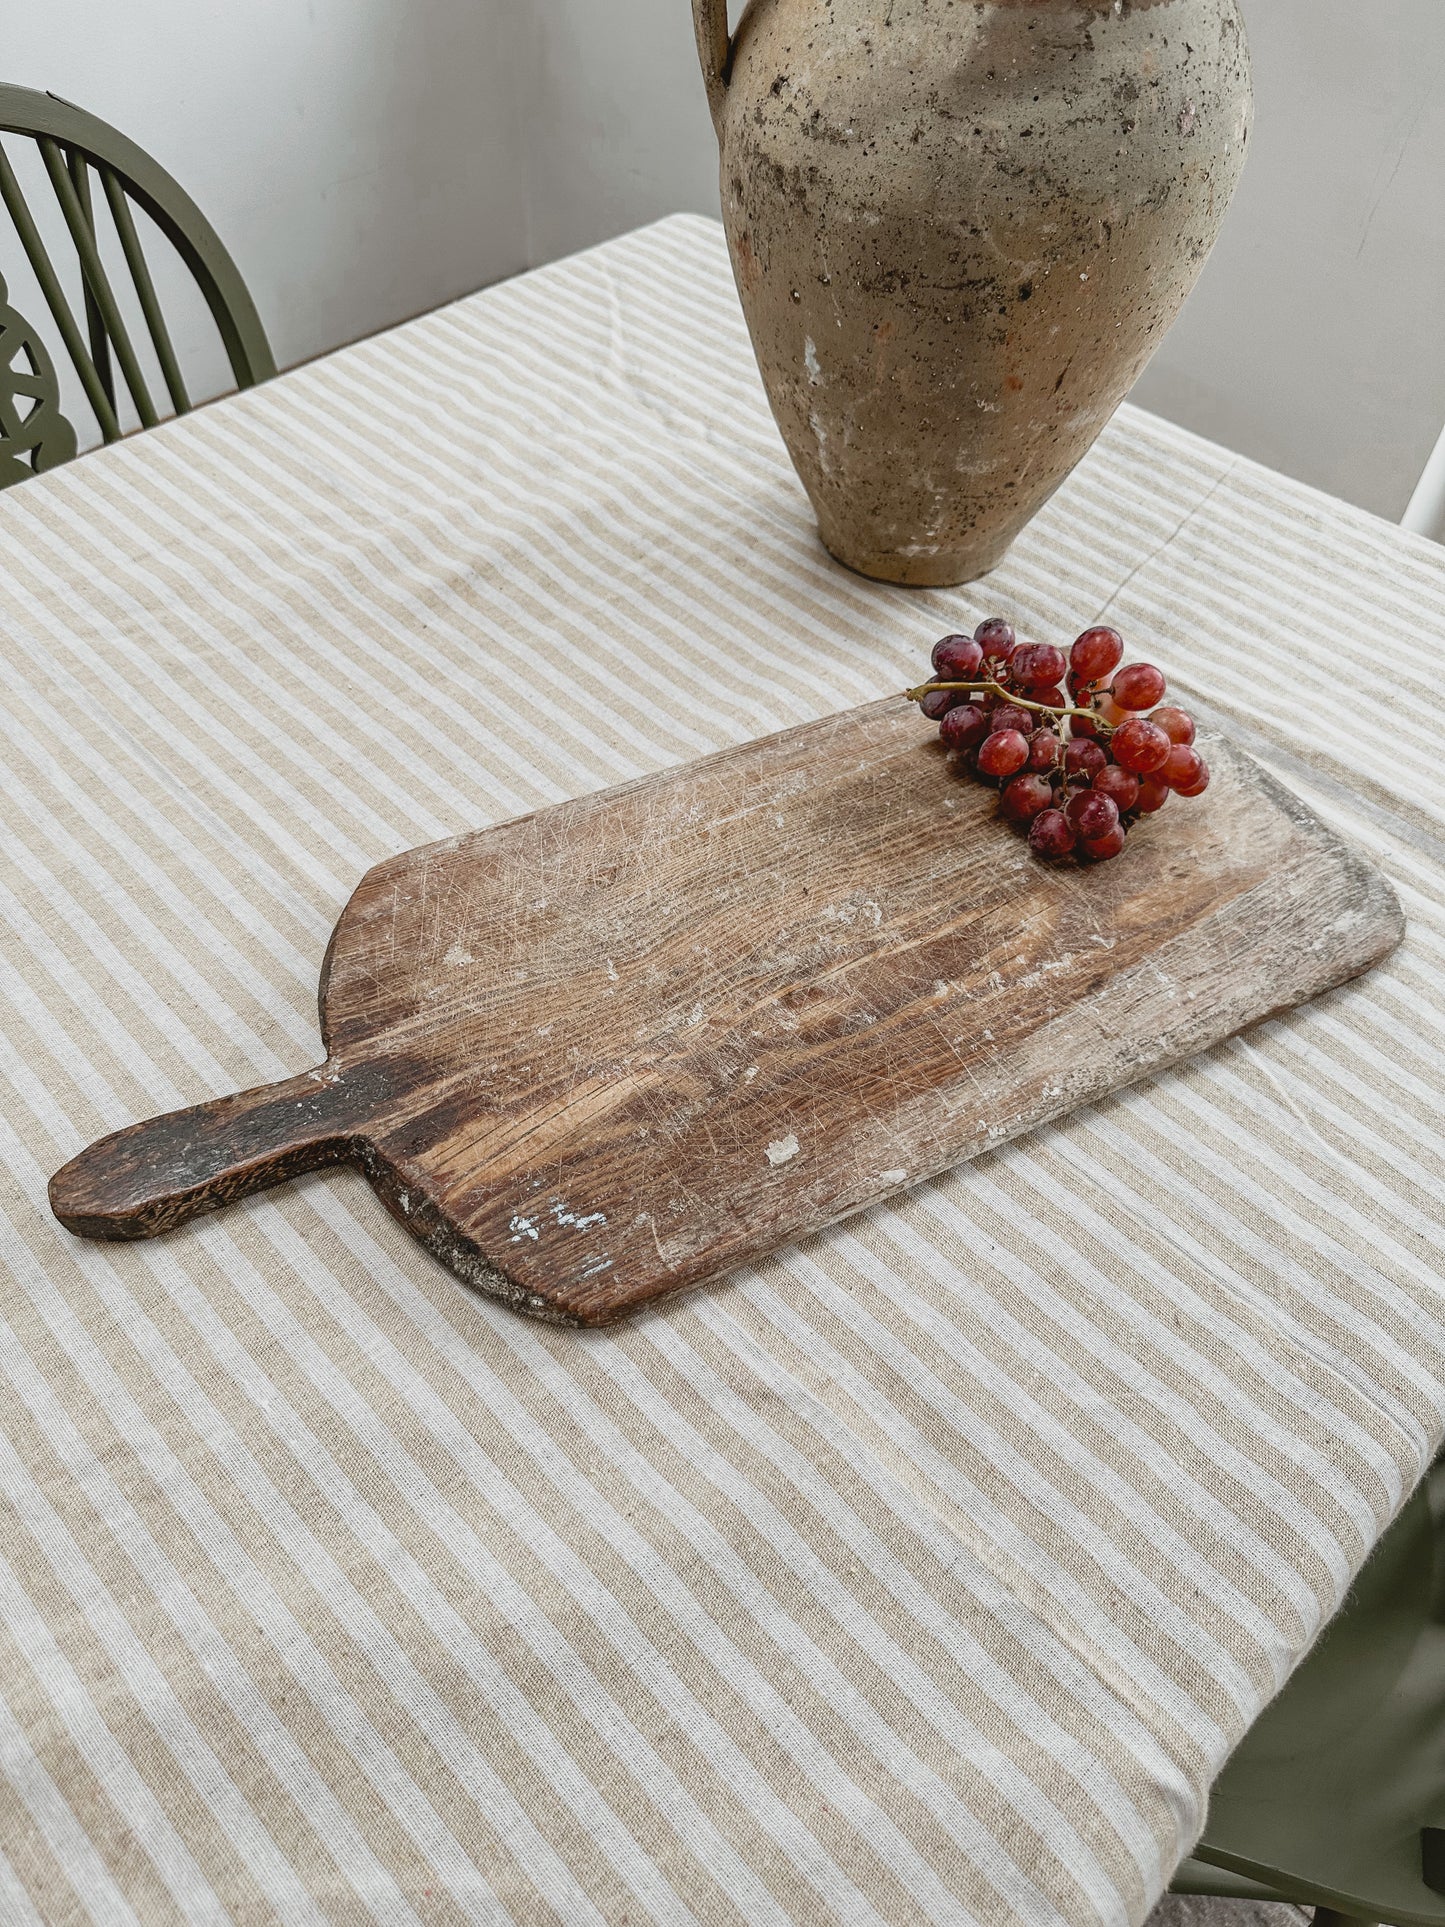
1044 749
1037 665
937 703
1092 813
1101 848
1182 766
1026 796
1010 716
1084 726
1004 753
1118 784
1139 747
1109 711
1199 785
1139 686
964 727
957 659
1083 758
1177 726
996 638
1051 834
1153 794
1095 653
1051 698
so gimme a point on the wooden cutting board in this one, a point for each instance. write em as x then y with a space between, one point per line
609 1051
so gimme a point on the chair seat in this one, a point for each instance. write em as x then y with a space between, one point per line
1336 1798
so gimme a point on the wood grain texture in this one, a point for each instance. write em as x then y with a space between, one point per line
609 1051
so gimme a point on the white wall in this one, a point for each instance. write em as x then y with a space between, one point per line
621 133
1316 338
367 159
362 159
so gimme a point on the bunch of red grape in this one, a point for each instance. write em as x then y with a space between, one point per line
1080 749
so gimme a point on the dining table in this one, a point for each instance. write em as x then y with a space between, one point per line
928 1571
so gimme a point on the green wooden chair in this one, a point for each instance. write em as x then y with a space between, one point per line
74 146
1336 1799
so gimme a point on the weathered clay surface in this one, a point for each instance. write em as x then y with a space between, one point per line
960 229
604 1053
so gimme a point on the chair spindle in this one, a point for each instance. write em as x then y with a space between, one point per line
145 288
94 321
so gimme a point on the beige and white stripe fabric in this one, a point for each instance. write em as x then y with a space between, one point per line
924 1574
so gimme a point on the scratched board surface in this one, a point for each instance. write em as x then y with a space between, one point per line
606 1052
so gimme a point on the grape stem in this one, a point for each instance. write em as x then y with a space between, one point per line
997 689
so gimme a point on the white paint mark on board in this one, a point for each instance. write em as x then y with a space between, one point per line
564 1216
457 956
782 1150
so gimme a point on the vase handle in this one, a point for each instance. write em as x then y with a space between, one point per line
715 50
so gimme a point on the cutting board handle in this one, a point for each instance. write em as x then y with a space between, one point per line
154 1176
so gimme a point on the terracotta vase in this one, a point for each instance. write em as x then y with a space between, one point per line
960 228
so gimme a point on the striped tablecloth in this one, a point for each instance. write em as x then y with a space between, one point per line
927 1573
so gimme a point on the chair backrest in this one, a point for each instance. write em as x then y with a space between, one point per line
88 162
